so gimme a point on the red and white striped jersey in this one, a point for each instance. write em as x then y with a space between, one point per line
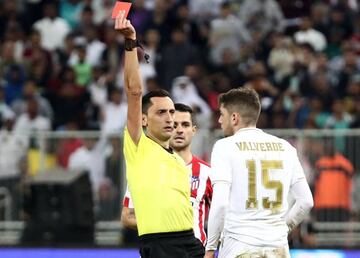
201 194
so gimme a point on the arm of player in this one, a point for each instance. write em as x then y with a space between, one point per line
128 218
220 201
221 177
132 80
300 191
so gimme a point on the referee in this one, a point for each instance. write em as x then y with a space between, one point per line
157 177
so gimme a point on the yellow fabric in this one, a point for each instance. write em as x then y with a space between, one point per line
34 161
159 185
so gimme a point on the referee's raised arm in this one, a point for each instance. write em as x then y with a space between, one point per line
132 79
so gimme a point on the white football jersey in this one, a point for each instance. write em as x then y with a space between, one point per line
260 168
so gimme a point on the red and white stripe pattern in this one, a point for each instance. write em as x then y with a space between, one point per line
201 194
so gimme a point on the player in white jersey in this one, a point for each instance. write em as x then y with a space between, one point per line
253 174
200 184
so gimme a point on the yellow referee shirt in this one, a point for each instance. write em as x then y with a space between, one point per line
159 186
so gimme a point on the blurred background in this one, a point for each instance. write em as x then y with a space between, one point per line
62 108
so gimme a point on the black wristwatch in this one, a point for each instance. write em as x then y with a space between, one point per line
130 44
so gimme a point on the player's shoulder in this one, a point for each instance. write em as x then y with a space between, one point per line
286 144
225 142
200 161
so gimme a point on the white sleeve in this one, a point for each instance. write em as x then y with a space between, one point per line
220 166
219 203
300 192
298 171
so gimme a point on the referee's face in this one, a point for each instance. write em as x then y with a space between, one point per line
184 131
160 118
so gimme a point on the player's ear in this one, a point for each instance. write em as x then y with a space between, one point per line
144 120
194 128
235 118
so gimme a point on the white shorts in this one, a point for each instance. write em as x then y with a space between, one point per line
232 248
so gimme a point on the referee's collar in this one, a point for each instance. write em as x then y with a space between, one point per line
170 150
248 129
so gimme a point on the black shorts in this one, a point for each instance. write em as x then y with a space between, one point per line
171 245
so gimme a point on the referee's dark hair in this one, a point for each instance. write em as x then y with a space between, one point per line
187 109
146 99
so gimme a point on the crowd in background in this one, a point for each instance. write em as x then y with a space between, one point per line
61 68
62 61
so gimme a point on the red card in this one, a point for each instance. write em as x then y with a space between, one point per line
120 6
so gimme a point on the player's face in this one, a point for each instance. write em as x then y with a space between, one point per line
160 118
184 131
225 121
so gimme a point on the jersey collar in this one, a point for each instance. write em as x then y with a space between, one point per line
248 129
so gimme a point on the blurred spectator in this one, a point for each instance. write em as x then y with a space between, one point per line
33 10
110 195
259 82
172 64
94 47
70 11
333 185
114 112
339 119
12 159
91 158
5 110
14 82
98 87
86 19
7 57
350 70
15 34
205 9
53 29
82 68
261 17
140 16
319 16
339 28
66 146
356 121
295 9
162 21
281 58
226 34
69 100
30 91
37 60
11 17
65 54
112 55
307 34
184 91
320 87
31 122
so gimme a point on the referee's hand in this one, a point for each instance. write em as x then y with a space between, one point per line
124 26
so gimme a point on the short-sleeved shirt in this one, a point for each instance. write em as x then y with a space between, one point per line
260 168
153 171
201 194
